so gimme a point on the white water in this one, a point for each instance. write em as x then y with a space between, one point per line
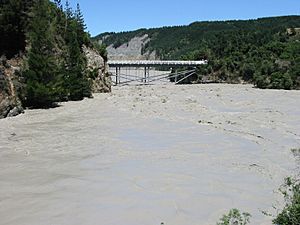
140 156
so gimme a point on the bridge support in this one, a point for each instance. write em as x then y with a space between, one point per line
146 74
118 75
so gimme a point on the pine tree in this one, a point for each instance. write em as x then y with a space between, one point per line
41 76
14 19
59 25
75 80
81 27
58 3
12 38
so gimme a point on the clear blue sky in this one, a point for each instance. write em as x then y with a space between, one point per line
122 15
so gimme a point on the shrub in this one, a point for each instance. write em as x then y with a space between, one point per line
235 217
290 215
101 49
281 81
261 81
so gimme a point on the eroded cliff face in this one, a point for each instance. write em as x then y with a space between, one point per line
132 50
10 104
98 71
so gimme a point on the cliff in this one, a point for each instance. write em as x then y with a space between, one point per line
98 71
10 104
132 50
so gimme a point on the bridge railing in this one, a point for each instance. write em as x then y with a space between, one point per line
154 63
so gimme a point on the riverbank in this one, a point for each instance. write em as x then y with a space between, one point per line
150 154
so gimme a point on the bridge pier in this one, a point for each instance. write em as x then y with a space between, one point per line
146 74
176 77
118 75
117 70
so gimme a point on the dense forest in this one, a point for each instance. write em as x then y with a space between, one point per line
265 51
50 38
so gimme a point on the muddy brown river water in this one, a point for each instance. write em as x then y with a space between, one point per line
150 154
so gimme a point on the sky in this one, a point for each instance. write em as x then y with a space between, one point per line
126 15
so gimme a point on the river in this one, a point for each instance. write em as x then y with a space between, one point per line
181 155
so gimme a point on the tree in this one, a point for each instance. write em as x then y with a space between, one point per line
247 71
82 36
14 19
58 4
281 80
12 26
41 75
76 82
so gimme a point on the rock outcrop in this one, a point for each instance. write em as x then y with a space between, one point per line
10 104
10 107
98 70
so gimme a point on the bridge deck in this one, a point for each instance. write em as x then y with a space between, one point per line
153 63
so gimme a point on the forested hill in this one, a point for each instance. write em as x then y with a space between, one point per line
265 51
50 44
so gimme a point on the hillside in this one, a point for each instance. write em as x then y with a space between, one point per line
265 51
46 56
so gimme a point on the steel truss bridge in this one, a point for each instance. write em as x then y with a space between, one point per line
151 71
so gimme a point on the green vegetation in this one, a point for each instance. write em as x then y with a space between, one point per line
101 49
40 74
51 36
290 215
14 18
235 217
75 80
265 51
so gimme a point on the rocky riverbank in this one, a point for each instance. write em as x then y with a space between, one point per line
10 104
11 81
101 82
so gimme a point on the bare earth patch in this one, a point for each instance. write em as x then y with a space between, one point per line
150 154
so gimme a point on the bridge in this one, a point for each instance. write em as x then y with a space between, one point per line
138 71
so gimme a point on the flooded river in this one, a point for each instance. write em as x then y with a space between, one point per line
143 155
